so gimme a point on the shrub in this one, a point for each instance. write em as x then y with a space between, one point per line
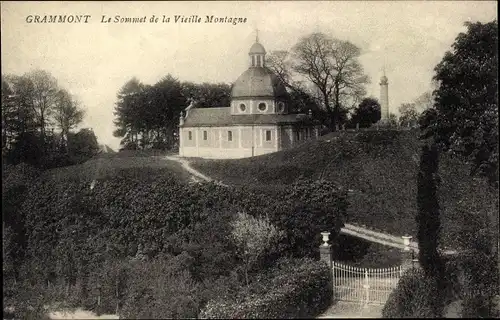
479 275
411 298
307 209
254 237
25 301
293 288
161 289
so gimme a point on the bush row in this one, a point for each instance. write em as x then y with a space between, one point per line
294 288
470 277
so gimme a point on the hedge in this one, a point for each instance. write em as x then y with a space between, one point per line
294 288
470 278
411 298
77 229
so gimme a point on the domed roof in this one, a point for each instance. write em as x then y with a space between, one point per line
258 82
257 48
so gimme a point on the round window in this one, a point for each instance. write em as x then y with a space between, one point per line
281 107
242 107
262 106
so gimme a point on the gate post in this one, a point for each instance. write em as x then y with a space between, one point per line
407 255
325 250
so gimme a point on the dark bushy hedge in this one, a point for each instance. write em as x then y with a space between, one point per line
161 289
294 288
411 298
79 229
470 278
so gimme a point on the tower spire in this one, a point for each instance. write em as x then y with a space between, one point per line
257 35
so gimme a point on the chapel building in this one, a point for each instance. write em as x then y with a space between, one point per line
256 122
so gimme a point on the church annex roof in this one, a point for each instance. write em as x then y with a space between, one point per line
214 117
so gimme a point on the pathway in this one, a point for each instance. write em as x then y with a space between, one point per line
342 310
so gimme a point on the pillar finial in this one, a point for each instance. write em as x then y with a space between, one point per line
325 235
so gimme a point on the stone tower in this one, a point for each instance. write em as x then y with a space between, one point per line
384 99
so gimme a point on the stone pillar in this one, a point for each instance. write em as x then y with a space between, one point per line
408 259
357 126
325 250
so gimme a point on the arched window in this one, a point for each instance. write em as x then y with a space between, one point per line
242 107
253 61
258 61
262 106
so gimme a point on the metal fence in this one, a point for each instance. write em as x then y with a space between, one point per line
364 285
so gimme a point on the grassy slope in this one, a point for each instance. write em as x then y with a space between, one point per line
107 165
378 167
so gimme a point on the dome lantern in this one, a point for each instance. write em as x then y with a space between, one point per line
257 53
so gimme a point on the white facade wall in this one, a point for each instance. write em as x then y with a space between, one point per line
247 141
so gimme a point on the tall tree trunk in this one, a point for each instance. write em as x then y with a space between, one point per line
329 110
336 107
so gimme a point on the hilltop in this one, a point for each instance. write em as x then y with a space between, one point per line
379 170
141 164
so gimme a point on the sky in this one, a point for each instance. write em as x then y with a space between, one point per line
94 60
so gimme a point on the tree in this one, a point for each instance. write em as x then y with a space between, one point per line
331 65
44 88
169 101
301 100
393 120
17 112
148 116
279 62
408 115
67 114
82 145
466 99
254 237
428 223
207 95
464 121
367 113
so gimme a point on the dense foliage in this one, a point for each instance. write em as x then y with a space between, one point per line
465 114
254 238
463 122
291 289
469 282
33 105
366 114
411 298
147 116
91 236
